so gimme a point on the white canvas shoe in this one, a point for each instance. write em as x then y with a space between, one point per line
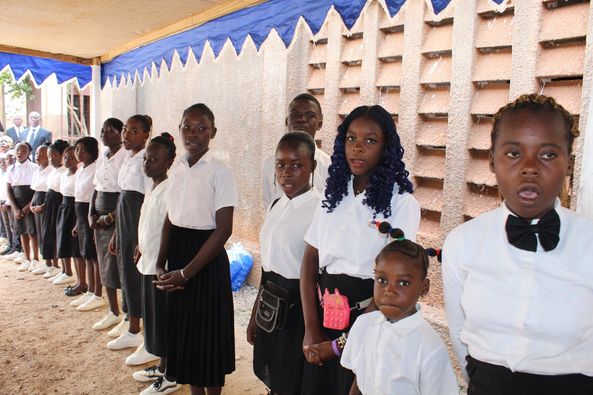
20 258
40 269
77 302
120 328
126 340
94 302
149 374
24 266
161 386
107 321
63 279
140 357
52 273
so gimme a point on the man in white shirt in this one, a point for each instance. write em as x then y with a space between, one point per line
35 135
304 114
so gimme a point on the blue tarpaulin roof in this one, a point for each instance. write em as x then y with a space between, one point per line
42 68
256 21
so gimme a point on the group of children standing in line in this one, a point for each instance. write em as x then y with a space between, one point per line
337 311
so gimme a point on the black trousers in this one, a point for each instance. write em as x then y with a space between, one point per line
488 379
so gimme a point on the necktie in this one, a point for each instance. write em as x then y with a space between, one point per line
522 234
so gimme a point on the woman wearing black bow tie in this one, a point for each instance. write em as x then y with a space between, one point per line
518 280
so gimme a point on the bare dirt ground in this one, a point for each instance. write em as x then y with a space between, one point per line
48 347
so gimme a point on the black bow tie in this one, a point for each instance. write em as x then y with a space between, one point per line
522 234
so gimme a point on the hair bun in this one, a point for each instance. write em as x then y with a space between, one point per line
397 234
149 119
384 228
436 252
168 136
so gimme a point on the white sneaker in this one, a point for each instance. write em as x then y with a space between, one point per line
120 328
85 297
57 273
140 356
24 266
63 279
149 374
12 256
161 386
94 302
107 321
20 258
41 269
126 340
51 271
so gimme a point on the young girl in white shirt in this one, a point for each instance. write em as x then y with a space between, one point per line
200 202
86 150
134 184
277 351
394 350
518 279
20 195
50 207
158 158
67 242
102 211
367 181
39 185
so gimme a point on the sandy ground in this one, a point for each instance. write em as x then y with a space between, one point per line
48 347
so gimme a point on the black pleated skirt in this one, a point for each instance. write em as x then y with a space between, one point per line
154 316
38 200
23 194
105 203
86 244
49 221
67 244
127 218
200 332
278 358
332 378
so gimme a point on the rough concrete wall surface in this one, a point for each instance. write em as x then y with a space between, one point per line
442 78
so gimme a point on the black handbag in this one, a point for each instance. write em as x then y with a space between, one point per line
272 307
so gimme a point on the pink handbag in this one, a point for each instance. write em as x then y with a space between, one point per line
336 310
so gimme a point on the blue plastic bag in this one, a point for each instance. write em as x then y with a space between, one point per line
240 265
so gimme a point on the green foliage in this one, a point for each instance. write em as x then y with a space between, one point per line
17 89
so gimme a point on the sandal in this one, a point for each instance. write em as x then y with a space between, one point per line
71 291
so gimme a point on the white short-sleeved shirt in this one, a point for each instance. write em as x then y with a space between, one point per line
54 178
272 192
152 217
107 171
39 181
84 183
405 357
21 174
281 243
346 240
3 190
196 193
528 311
67 184
131 175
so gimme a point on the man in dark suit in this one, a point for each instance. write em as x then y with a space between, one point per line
35 135
15 132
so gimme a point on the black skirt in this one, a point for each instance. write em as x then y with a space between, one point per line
23 194
105 203
332 378
127 218
38 200
154 316
278 358
86 244
67 244
200 331
49 221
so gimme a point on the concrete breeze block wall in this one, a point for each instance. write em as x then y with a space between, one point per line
442 78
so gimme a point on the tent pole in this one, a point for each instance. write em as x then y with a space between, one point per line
95 112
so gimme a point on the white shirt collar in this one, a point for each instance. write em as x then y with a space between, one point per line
206 158
405 325
505 211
